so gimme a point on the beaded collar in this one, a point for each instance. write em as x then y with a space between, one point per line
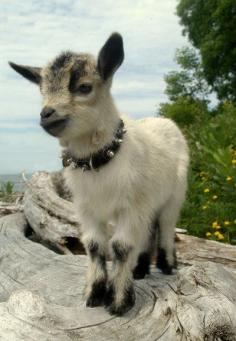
98 159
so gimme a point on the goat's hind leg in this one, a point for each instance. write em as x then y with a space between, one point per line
143 265
145 257
166 256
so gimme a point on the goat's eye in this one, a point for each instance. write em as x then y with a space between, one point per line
85 88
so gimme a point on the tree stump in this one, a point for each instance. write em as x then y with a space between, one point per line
41 291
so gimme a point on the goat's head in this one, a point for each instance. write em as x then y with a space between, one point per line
75 88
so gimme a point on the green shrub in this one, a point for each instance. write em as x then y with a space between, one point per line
184 111
210 207
6 190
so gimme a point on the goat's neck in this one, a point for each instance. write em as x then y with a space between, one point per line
99 136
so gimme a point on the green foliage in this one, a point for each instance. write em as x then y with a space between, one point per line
6 190
186 89
210 208
210 26
184 111
189 81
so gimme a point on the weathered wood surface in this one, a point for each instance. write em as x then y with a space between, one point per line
49 212
41 295
41 292
10 207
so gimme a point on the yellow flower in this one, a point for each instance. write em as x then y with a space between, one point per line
215 197
234 162
234 221
206 190
226 223
208 234
215 225
204 207
229 178
220 236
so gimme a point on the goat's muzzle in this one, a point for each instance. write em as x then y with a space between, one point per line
52 122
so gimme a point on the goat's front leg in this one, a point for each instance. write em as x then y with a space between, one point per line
94 242
120 295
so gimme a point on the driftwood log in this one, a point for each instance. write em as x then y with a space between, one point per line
41 290
10 207
49 212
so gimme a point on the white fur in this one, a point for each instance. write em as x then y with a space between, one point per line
148 172
146 179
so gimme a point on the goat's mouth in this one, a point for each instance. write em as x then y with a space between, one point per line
56 127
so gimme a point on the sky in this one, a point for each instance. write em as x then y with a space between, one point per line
34 31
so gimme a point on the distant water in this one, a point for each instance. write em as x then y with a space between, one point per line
16 179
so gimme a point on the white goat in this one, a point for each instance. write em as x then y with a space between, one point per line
127 177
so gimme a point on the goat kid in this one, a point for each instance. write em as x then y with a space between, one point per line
125 183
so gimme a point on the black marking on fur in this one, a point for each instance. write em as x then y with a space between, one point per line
98 294
95 254
142 267
77 72
121 251
110 294
162 262
144 260
111 56
126 304
93 249
73 81
102 261
60 61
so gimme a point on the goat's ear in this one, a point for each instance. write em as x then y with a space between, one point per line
111 56
29 72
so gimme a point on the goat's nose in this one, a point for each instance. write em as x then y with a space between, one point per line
47 112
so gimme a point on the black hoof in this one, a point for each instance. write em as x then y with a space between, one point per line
163 264
142 268
126 304
97 295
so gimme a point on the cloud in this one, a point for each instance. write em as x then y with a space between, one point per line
29 151
34 31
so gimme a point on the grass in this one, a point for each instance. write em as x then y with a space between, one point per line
6 191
